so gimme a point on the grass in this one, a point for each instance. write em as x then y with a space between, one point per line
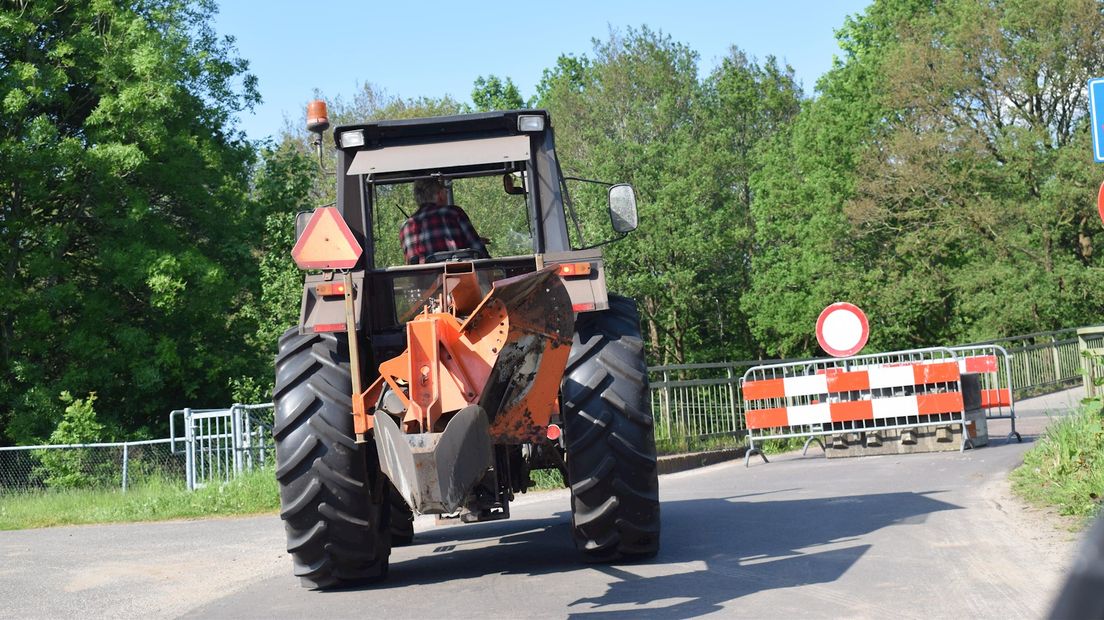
252 493
546 479
1066 469
155 500
684 445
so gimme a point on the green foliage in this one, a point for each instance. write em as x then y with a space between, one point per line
941 181
682 444
546 479
1066 468
637 113
126 248
492 93
74 468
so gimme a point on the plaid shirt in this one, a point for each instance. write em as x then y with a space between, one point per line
438 228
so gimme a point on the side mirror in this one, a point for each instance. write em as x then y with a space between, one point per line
301 220
509 186
622 208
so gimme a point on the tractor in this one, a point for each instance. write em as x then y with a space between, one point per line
436 388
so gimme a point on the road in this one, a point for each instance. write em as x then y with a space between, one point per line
912 536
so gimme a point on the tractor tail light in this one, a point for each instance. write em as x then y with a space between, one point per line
330 289
568 270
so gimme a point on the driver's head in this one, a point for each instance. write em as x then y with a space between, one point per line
428 191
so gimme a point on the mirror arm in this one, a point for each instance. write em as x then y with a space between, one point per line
602 243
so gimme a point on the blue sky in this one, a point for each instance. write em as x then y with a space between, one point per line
432 48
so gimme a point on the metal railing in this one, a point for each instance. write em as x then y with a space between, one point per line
704 400
1042 362
219 444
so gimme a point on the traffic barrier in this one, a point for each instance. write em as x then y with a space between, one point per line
867 393
993 366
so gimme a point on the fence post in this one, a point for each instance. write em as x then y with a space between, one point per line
236 437
666 406
189 450
125 460
1027 370
732 401
1057 360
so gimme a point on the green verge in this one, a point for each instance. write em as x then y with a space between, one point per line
154 500
1065 469
252 493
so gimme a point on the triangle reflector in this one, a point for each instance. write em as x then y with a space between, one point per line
326 243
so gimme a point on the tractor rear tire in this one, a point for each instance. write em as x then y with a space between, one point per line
609 436
337 532
402 519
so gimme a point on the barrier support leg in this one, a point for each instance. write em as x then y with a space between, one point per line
753 450
966 441
1014 433
810 440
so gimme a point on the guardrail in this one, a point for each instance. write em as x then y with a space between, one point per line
704 400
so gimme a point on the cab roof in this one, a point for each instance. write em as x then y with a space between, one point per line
378 134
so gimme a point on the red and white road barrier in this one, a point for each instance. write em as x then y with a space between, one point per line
993 366
903 389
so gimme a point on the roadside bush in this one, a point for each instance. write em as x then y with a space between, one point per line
1066 468
74 468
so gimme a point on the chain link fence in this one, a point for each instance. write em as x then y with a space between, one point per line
205 446
88 466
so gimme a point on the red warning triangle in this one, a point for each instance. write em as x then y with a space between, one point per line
327 242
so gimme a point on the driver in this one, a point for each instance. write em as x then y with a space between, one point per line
437 227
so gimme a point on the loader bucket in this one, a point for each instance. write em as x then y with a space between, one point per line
521 392
493 378
435 471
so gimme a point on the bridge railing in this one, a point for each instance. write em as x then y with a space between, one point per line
694 401
1042 362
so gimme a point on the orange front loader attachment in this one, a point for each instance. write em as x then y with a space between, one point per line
485 372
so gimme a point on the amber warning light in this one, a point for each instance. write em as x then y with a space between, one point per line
326 243
317 118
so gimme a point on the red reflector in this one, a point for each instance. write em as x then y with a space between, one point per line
582 307
553 432
329 327
574 269
329 288
327 242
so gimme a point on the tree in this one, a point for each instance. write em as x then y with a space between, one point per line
983 175
125 236
491 93
747 105
805 255
75 468
636 112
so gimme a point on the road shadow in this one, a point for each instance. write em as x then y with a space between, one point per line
712 551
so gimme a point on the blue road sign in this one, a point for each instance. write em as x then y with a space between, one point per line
1096 109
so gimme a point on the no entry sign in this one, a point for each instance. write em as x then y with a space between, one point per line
1100 202
842 329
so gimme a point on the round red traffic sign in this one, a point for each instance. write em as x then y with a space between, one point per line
842 329
1100 202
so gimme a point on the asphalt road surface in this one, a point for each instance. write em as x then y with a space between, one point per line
923 535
